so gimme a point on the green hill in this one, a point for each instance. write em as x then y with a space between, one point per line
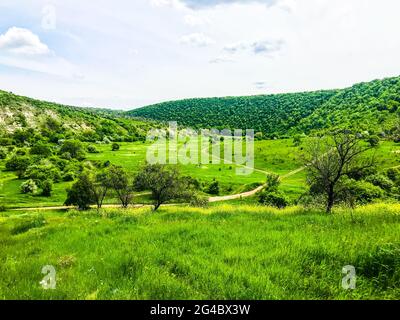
55 121
372 106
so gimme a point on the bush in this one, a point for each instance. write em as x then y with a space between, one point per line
81 193
394 174
213 188
74 148
19 164
3 153
274 199
381 181
92 149
43 171
42 150
28 186
361 191
373 140
115 146
47 188
69 176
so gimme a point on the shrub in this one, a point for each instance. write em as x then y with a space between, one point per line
75 149
393 174
69 176
3 153
213 188
28 186
42 150
360 191
274 199
115 146
43 171
92 149
381 181
47 188
373 140
19 164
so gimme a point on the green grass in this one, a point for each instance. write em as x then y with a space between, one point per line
274 156
224 252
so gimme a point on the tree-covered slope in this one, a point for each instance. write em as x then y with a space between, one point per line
28 117
371 106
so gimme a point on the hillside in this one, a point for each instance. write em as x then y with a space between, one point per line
55 121
372 106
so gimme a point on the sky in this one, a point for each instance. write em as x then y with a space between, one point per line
124 54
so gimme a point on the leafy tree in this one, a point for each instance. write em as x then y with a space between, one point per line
18 164
164 183
74 148
330 159
81 192
119 180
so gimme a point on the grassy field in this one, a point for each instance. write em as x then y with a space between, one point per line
224 252
274 156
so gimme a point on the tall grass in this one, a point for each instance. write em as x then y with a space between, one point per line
223 252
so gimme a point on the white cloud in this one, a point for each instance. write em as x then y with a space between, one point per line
194 20
263 47
221 59
197 40
22 41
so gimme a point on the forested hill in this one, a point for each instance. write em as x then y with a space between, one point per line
24 118
371 106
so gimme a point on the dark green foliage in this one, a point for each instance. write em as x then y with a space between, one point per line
368 106
3 153
18 164
213 188
41 149
164 183
115 146
47 188
73 148
274 199
373 140
119 180
92 149
81 193
381 181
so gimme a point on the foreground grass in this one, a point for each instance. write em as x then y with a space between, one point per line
223 252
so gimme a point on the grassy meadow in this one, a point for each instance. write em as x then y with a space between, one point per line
224 252
271 156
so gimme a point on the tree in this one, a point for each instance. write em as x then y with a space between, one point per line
42 150
164 183
81 193
330 159
74 148
18 164
118 180
100 186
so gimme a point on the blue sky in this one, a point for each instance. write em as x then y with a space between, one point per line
125 54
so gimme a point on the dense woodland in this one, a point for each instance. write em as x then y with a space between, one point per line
372 106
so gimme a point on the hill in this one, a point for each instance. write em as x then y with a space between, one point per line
22 116
372 106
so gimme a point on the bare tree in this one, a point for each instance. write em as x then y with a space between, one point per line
329 159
